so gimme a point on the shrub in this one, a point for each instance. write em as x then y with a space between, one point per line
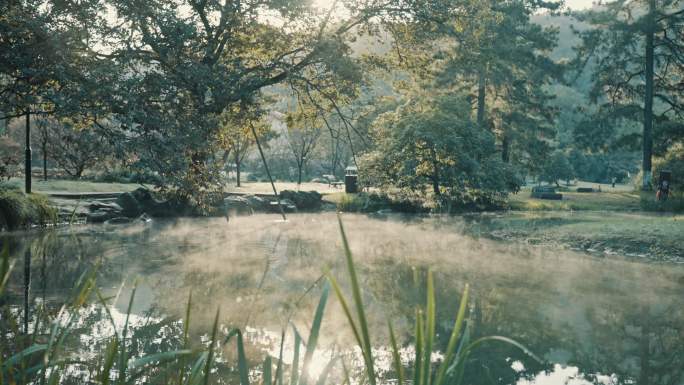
674 203
373 202
19 210
672 161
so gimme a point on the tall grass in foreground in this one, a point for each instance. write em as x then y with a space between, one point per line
44 360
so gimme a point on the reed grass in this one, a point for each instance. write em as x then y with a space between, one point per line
46 363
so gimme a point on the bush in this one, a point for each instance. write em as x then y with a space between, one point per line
672 161
10 157
373 202
19 210
675 203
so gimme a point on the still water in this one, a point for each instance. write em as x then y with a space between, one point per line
594 320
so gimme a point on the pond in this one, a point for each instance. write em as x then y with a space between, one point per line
593 319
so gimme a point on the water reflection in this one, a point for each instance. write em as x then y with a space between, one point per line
602 321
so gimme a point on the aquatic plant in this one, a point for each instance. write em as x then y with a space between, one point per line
45 359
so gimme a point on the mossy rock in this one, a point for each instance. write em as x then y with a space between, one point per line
303 200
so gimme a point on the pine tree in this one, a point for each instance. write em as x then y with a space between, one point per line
636 52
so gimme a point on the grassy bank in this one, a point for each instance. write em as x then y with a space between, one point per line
621 201
653 237
608 201
19 210
73 186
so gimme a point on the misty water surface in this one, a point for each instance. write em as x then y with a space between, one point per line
599 320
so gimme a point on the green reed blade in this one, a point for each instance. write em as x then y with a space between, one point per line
345 308
186 328
5 267
347 377
123 355
323 378
429 331
110 357
396 357
196 370
356 292
417 365
453 340
19 357
294 376
212 344
267 380
55 375
506 340
156 360
103 301
313 334
159 358
279 366
243 367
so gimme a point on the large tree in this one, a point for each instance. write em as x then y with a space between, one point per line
636 52
432 143
174 66
501 58
303 131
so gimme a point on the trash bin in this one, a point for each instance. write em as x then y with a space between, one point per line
351 177
665 175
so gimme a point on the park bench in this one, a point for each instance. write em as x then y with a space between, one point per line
585 190
545 192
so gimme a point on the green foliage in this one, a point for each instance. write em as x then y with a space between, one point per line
602 167
503 56
378 201
432 142
672 161
673 204
557 168
76 148
10 161
19 210
636 67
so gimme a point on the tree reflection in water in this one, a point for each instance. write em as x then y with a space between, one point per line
614 320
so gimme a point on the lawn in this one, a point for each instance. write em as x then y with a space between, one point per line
599 201
73 186
81 186
656 237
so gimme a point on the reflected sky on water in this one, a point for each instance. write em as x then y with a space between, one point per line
596 320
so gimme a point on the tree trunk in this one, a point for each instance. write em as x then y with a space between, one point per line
481 93
237 169
435 186
435 175
27 151
505 148
648 99
299 173
45 161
